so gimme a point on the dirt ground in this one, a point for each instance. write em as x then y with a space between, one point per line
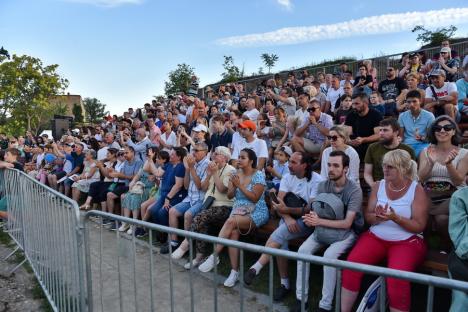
19 291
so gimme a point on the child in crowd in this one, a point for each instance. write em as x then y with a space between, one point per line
344 109
376 103
279 168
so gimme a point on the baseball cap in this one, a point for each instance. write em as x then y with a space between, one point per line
200 127
248 124
445 49
287 150
437 72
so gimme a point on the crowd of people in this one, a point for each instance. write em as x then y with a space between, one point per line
306 151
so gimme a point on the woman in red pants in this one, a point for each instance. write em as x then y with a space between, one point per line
397 213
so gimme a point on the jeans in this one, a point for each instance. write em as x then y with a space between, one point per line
335 250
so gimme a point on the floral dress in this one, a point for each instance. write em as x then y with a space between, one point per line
83 185
133 201
260 215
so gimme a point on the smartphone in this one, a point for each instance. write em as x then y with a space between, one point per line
274 198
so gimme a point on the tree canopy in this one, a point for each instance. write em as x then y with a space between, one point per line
434 38
269 60
26 86
95 110
179 79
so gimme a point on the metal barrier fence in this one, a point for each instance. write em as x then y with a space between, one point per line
137 271
45 226
380 63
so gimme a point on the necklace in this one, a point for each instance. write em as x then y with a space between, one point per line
392 189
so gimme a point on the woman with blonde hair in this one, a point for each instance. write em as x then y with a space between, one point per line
397 214
413 80
338 137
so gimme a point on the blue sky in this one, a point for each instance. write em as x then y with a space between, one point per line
120 51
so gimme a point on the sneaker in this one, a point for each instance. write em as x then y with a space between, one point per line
280 293
178 254
106 222
165 248
249 276
209 264
195 263
130 230
124 227
297 306
232 279
140 232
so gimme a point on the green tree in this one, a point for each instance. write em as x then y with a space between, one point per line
179 79
260 71
269 60
26 86
231 72
95 110
434 38
77 112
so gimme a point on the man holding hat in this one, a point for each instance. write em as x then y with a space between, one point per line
247 130
441 96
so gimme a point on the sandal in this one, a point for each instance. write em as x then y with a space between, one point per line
85 207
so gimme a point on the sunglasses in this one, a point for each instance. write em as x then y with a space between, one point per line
446 128
332 137
312 109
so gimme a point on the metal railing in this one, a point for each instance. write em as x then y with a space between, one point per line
46 228
380 63
130 259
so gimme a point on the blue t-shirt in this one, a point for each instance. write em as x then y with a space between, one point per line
77 161
131 168
410 124
170 173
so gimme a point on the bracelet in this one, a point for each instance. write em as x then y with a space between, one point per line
168 198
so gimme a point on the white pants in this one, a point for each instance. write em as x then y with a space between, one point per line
335 250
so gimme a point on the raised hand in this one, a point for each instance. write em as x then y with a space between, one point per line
451 156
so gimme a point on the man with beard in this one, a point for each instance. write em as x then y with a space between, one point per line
415 122
388 141
350 194
390 89
302 182
364 124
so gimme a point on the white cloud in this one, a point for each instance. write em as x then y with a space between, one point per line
381 24
107 3
285 3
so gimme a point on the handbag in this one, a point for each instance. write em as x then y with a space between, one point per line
245 210
209 200
138 188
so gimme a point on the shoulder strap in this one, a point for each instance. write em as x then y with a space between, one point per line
434 94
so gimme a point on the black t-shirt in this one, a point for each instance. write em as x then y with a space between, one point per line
18 166
390 89
368 80
223 139
363 126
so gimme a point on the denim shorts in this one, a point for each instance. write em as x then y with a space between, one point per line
194 209
282 235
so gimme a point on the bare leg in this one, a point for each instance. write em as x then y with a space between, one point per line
110 201
144 208
76 194
347 299
243 223
187 220
174 221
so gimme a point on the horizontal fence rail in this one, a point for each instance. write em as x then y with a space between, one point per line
430 281
45 226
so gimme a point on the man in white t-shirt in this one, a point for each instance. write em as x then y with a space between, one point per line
333 94
300 184
251 112
444 101
302 113
247 130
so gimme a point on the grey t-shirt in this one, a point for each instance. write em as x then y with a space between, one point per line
350 195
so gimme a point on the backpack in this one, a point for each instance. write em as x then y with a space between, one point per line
329 206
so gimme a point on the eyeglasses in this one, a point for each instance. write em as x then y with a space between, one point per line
443 52
199 150
389 69
312 109
332 137
447 128
120 154
387 166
